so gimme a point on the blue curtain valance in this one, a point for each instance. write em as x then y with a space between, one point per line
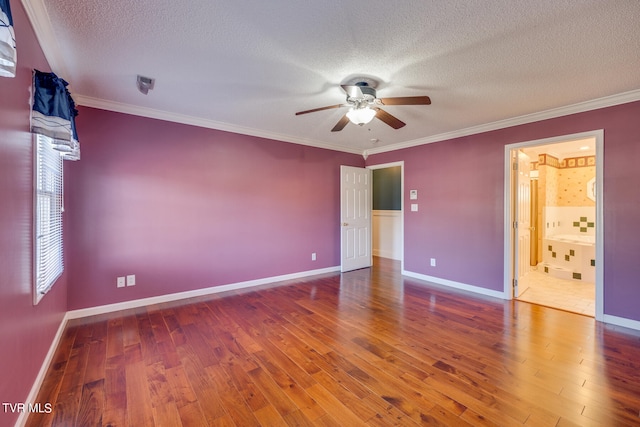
8 55
53 113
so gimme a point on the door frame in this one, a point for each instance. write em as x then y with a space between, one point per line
385 166
509 233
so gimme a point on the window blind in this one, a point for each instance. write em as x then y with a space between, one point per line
8 55
49 262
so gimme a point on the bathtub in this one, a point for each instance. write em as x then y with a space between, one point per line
569 256
574 238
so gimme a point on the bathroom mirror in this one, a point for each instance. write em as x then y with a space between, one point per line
591 189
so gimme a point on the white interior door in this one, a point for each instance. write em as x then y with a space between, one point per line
355 218
522 214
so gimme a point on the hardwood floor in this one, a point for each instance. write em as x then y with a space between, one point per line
367 347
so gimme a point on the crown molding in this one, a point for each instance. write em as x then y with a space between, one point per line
41 23
581 107
608 101
119 107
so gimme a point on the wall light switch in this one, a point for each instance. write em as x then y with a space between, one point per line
414 207
313 256
120 282
131 280
433 262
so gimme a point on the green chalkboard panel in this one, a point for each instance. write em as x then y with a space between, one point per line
386 189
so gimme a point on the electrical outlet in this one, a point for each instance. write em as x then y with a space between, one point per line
313 256
433 262
131 280
120 282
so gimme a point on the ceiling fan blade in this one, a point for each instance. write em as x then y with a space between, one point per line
392 121
406 100
321 108
341 124
353 91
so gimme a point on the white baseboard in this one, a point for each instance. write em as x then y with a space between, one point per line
621 321
91 311
457 285
37 384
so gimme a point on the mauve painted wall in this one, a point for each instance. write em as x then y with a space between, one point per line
26 332
184 207
460 185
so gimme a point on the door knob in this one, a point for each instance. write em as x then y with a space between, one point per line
344 224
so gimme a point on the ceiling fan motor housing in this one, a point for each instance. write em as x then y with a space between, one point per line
360 94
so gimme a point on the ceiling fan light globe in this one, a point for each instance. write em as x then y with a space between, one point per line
361 116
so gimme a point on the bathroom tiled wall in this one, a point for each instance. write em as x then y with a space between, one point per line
579 220
562 196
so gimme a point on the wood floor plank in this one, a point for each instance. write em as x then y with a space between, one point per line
367 347
98 358
206 394
345 396
342 371
164 407
139 404
386 413
115 389
439 416
114 338
91 405
334 406
267 416
250 392
191 414
234 404
68 400
274 394
130 335
291 387
301 355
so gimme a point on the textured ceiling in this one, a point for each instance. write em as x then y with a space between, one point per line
248 66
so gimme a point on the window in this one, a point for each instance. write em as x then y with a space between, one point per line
49 262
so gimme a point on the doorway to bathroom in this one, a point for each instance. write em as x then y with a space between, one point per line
554 213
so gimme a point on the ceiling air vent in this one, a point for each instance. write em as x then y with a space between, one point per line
145 84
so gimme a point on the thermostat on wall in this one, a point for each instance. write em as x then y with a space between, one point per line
413 194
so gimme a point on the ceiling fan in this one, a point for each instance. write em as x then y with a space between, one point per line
364 105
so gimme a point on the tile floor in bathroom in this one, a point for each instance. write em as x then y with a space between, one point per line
570 295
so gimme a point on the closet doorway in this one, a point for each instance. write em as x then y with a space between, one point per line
387 214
